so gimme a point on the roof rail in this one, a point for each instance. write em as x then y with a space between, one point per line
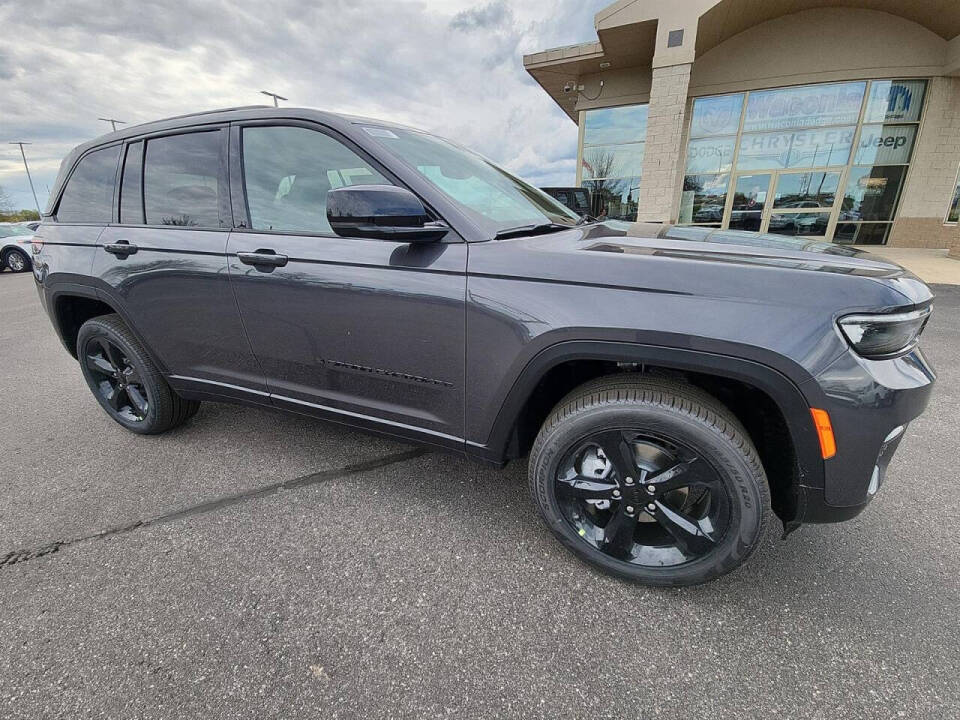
218 110
197 114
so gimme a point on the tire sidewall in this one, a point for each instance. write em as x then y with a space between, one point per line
89 332
733 467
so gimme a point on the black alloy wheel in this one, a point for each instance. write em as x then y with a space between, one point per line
125 380
642 498
118 381
650 479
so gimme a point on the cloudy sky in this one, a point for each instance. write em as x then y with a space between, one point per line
450 66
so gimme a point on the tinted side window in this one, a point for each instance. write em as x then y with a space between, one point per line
180 180
288 172
582 201
88 196
131 200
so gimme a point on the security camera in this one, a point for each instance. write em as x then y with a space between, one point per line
568 87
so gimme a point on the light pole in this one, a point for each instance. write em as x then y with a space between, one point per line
27 168
274 96
113 122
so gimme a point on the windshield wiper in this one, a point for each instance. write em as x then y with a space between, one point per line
537 229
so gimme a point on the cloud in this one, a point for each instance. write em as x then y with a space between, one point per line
491 15
449 66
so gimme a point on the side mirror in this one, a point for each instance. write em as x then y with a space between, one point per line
384 212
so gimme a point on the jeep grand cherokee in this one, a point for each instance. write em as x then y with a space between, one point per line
671 386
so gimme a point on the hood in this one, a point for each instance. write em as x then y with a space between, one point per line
737 246
691 260
798 253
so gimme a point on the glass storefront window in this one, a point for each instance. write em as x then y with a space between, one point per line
615 199
606 161
814 223
885 144
805 106
704 198
806 190
710 155
812 161
717 115
953 214
827 156
861 233
895 101
803 148
615 126
612 159
871 193
749 197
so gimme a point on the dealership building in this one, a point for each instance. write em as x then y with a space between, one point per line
828 120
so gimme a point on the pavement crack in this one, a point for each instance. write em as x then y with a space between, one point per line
23 555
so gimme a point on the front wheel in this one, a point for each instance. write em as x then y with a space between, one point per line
651 480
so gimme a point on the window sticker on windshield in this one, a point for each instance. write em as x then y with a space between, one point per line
381 132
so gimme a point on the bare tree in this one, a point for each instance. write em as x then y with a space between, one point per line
599 162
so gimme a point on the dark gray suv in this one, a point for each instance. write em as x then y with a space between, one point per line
670 385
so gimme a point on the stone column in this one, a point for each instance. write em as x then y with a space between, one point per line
664 150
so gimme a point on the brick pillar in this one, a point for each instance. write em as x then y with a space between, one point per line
664 148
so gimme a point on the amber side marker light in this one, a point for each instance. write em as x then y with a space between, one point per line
828 443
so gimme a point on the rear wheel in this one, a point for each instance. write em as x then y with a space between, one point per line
652 480
125 381
16 260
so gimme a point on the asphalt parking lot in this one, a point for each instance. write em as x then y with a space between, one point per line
253 564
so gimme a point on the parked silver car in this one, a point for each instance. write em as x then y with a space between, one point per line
15 248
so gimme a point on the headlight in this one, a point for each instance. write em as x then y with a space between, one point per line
880 336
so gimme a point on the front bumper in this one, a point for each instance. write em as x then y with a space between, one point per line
870 403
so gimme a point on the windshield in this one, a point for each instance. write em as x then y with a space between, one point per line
9 230
493 198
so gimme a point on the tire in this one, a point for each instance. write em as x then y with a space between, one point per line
125 381
16 260
625 514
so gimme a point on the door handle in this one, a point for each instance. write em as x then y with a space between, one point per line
121 248
262 258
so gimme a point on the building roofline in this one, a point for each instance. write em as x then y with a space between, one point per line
562 54
622 42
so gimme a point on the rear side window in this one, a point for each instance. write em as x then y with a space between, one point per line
582 201
88 197
180 180
131 199
288 172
